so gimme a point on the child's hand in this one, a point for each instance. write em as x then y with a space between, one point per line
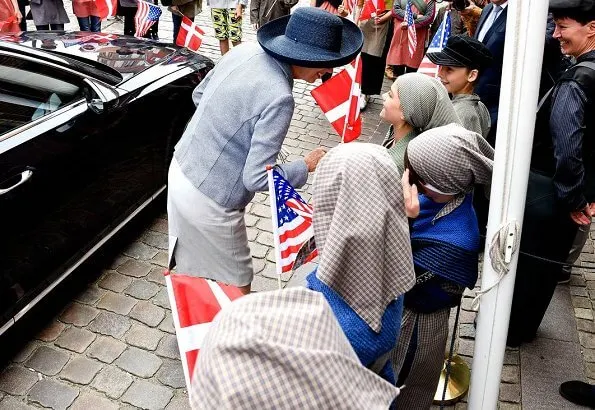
410 196
255 25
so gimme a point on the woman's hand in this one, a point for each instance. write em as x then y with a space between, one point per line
410 196
239 10
403 25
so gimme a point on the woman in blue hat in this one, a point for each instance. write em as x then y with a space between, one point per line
243 111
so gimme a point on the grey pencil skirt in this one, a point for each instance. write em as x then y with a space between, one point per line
211 241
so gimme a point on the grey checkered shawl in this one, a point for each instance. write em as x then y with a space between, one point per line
361 230
283 350
425 102
451 158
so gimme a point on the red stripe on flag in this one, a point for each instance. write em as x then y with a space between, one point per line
191 359
294 233
195 300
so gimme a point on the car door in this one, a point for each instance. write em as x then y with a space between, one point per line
69 176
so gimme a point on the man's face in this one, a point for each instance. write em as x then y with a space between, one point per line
456 80
575 39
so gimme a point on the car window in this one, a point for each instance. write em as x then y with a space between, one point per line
29 91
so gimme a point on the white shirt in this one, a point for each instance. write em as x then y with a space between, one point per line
489 22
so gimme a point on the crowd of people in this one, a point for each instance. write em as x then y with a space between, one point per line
397 226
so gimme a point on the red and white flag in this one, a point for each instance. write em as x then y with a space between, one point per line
411 33
190 35
194 304
349 5
436 45
106 8
371 9
339 99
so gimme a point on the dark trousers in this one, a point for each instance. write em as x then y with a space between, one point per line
50 27
177 21
548 232
90 23
23 23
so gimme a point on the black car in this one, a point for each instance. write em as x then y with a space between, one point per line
88 122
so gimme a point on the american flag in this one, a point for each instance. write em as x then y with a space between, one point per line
349 5
146 15
339 100
371 9
437 44
194 304
190 35
411 34
292 222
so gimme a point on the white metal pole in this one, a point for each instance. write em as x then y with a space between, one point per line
523 53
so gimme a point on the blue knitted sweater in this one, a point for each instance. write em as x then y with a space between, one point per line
447 247
368 345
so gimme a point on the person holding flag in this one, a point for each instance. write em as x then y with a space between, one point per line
10 16
88 14
362 235
243 111
410 34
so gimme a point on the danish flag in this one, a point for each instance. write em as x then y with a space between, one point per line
339 99
106 8
371 9
190 35
194 304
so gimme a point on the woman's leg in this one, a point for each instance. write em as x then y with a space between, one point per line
84 23
43 27
56 26
129 13
177 22
95 24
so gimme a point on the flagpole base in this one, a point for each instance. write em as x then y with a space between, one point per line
458 382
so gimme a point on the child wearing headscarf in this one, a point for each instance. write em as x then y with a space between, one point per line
283 350
362 236
444 164
415 103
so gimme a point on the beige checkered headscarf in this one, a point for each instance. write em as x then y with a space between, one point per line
451 158
283 350
361 230
425 102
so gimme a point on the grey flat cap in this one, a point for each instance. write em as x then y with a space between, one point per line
582 5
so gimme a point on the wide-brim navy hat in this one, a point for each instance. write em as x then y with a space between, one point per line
311 37
462 51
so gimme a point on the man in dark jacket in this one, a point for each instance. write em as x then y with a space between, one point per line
561 191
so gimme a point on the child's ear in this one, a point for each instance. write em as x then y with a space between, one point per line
472 76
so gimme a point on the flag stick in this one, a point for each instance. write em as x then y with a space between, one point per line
273 199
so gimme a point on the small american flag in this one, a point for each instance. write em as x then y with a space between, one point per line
292 222
437 44
411 34
146 15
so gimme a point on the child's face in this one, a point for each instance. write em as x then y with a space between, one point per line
457 80
392 111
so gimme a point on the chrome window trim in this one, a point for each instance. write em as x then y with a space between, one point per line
86 256
27 131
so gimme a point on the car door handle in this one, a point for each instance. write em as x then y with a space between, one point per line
25 175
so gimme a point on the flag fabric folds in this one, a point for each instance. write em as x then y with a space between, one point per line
437 44
292 223
106 8
190 35
411 33
371 9
339 99
194 304
146 15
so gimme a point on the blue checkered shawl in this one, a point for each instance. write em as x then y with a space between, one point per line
447 246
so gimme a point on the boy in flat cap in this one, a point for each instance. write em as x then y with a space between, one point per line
561 191
461 63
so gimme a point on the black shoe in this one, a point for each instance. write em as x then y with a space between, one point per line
578 392
564 276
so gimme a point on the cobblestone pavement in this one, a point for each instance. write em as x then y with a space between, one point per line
114 345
